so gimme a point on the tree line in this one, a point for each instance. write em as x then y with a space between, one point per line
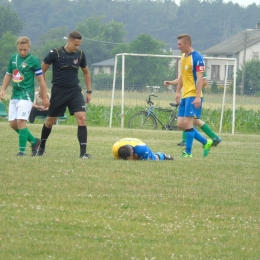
113 26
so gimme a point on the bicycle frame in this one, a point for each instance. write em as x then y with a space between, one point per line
150 111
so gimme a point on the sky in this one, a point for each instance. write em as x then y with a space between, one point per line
240 2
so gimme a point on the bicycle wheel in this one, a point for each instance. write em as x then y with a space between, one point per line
141 120
173 124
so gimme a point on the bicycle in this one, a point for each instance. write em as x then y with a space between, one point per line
148 119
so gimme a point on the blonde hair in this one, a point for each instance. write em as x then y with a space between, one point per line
185 37
23 40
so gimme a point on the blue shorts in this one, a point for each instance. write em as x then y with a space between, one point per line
187 109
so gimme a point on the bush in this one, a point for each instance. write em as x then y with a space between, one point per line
214 87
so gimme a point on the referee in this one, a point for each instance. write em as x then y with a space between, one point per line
66 91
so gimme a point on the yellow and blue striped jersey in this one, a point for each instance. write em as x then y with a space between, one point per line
190 65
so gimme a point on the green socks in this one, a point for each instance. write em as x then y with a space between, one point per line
183 137
25 133
207 130
23 136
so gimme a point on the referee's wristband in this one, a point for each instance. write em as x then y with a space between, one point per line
89 91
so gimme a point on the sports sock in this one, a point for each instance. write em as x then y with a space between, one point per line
31 138
199 137
189 140
82 137
207 130
45 134
160 155
23 136
183 136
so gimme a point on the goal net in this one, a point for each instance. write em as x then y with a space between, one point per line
221 71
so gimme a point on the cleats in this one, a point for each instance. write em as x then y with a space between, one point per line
40 152
85 156
216 141
186 155
21 154
35 147
182 143
167 157
207 147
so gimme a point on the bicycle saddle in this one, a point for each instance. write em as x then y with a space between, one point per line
174 104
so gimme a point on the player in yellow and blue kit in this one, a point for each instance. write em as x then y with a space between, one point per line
197 121
191 81
135 149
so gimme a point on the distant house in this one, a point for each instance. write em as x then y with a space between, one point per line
107 66
244 46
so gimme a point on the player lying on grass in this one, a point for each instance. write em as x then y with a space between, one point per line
135 149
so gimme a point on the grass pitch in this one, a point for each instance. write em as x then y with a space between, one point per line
60 207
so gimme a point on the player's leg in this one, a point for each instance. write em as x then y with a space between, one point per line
189 130
77 106
19 111
181 123
208 131
163 156
187 113
57 108
207 143
183 139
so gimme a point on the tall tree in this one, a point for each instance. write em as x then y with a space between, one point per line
51 39
7 47
143 71
9 21
100 38
252 77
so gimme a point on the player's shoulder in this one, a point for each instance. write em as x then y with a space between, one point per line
34 57
80 53
13 56
56 51
197 58
197 54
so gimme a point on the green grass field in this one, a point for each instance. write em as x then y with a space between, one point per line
60 207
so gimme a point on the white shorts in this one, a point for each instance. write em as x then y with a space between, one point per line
19 109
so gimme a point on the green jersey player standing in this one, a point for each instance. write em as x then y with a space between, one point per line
22 69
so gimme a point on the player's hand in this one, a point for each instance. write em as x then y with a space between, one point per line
166 83
88 97
2 94
45 102
197 102
177 98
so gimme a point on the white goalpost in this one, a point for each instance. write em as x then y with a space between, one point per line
228 60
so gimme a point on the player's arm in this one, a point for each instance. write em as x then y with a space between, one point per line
167 83
45 67
199 85
142 152
178 90
45 100
6 82
205 82
87 79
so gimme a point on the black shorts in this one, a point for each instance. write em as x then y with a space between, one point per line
61 98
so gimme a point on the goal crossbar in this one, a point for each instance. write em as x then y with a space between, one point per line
173 57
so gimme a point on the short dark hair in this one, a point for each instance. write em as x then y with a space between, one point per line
75 35
185 37
125 151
